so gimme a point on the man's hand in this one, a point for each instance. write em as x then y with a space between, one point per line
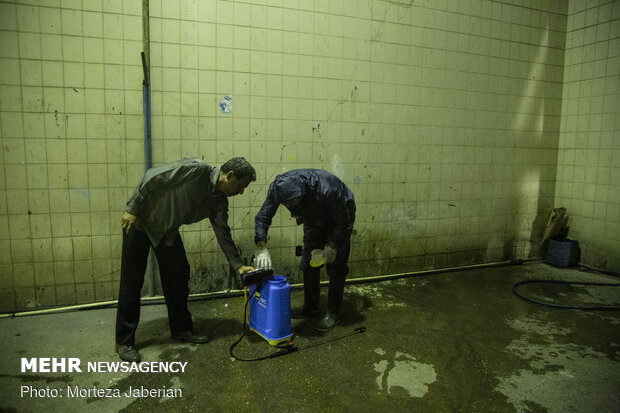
128 221
262 258
243 269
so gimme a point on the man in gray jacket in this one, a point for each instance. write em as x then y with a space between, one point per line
167 197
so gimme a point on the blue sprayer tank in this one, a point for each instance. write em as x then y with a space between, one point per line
270 310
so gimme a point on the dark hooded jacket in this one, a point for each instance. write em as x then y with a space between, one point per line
326 203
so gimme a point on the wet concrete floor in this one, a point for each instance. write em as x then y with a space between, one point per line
457 341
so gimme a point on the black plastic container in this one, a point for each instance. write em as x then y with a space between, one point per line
563 252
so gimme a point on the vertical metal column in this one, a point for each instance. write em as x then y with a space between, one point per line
146 107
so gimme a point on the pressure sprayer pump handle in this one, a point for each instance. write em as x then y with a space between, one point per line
256 276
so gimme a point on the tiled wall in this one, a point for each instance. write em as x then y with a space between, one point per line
442 116
589 151
71 119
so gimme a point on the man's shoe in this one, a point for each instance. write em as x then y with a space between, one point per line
128 353
190 337
303 312
328 322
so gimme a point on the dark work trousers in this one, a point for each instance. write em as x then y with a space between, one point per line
315 238
174 274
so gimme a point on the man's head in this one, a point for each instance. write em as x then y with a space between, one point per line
235 175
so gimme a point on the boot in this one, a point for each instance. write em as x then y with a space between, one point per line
128 353
312 292
334 301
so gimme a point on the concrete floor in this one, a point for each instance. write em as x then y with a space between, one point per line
458 341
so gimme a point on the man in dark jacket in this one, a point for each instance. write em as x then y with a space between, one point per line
326 207
167 197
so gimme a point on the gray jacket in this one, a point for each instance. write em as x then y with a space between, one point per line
182 192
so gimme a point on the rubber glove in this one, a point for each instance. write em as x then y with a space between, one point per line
262 259
330 254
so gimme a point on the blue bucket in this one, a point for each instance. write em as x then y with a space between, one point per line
270 310
563 252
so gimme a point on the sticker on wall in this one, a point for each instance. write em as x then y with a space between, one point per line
226 105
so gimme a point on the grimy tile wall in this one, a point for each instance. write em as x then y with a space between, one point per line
588 182
443 117
71 118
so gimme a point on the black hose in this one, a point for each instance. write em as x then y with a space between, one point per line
570 307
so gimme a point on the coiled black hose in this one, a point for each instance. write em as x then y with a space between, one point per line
571 307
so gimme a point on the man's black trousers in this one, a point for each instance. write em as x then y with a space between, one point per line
174 274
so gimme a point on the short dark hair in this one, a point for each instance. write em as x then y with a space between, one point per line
241 167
